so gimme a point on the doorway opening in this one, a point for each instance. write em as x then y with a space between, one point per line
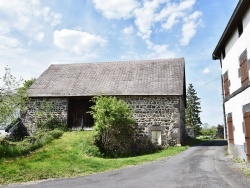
78 113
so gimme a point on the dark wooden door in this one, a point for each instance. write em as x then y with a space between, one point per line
78 113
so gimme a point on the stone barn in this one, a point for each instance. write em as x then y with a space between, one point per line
154 89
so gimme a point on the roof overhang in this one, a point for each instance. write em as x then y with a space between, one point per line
238 13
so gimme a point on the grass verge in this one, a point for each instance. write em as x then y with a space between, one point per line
68 157
14 149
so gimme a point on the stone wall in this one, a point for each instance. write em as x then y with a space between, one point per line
59 108
160 113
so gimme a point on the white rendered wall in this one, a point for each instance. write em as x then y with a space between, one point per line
231 41
234 49
234 106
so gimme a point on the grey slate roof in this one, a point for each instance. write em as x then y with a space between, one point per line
145 77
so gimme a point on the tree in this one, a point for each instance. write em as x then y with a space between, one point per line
22 92
193 110
12 96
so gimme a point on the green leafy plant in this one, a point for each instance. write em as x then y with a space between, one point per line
45 119
9 149
210 133
116 133
113 125
10 99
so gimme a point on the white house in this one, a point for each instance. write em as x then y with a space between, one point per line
233 51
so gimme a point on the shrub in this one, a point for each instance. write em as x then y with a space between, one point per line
209 133
44 117
51 123
13 149
116 133
143 145
114 127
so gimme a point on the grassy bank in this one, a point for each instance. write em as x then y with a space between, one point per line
67 157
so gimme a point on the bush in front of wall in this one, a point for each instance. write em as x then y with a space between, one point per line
51 123
116 133
114 126
45 119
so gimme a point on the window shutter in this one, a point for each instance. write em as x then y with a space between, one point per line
226 84
230 130
247 124
244 68
247 133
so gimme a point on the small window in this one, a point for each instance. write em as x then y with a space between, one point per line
240 28
156 137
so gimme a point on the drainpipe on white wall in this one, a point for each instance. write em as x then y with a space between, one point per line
224 115
223 105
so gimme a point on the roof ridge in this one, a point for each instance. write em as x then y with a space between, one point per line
125 61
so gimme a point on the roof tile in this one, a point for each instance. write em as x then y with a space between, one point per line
145 77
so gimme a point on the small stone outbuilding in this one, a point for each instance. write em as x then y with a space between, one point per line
154 89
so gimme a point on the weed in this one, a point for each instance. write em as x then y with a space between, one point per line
10 149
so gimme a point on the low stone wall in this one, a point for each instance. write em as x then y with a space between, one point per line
59 108
154 113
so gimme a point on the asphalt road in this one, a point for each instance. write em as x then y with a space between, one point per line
199 166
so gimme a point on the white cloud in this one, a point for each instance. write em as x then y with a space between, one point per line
51 17
159 51
148 14
8 42
116 9
206 70
166 13
40 36
144 17
128 30
78 41
189 28
22 14
188 31
174 13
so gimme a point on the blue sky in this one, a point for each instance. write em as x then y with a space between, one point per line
35 34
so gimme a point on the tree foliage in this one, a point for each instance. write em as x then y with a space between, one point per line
113 125
12 96
193 110
209 131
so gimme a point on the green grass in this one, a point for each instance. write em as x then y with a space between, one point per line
29 144
67 157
